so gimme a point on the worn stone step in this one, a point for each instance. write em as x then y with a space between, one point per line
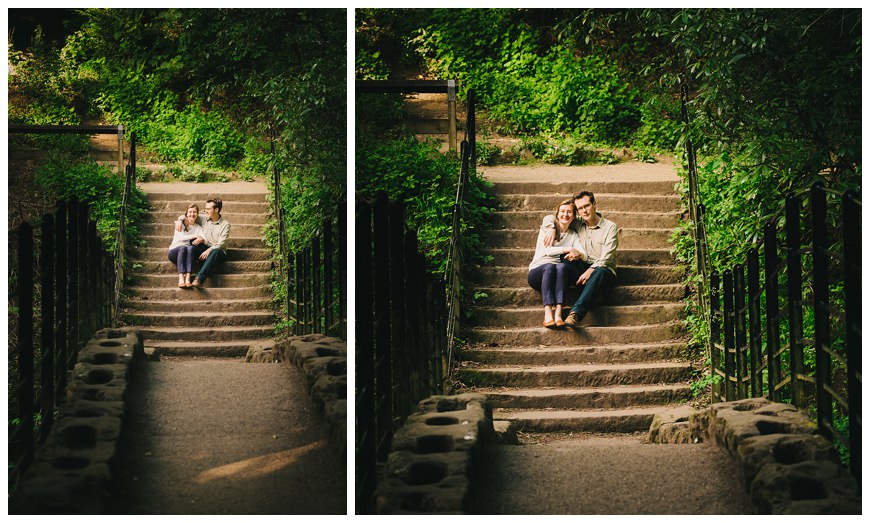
575 375
233 333
214 280
522 256
569 188
599 421
525 296
537 355
192 301
209 349
234 253
235 218
199 319
634 220
167 229
605 203
227 267
600 316
628 239
202 293
627 275
235 242
228 209
201 196
615 397
526 336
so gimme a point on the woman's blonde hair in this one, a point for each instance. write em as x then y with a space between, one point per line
193 205
570 202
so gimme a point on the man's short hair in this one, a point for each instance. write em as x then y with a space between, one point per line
581 194
216 202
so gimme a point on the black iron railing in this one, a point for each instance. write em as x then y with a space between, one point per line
401 330
314 274
454 256
67 266
764 343
79 286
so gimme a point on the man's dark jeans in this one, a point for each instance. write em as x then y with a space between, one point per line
601 279
215 258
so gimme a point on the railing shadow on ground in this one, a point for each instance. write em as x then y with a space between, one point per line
803 345
78 284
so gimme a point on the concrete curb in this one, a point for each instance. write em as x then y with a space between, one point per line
73 472
323 362
785 465
432 461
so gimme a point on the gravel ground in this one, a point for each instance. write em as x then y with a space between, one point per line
606 475
220 436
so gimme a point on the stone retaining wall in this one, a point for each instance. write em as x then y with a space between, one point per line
431 462
323 362
73 471
785 465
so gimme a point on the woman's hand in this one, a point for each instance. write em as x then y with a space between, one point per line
573 255
549 237
585 276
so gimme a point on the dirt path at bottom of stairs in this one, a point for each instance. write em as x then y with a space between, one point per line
220 436
613 474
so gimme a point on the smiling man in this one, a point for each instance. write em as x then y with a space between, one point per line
216 232
600 238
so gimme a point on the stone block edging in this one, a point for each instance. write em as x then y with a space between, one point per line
323 362
431 463
73 472
784 464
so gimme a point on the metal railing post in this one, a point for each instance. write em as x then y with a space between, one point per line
795 312
46 269
771 308
852 286
821 317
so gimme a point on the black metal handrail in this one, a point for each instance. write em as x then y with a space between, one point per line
754 360
696 215
75 300
121 243
401 337
315 275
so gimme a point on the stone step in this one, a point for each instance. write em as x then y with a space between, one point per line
235 242
227 267
234 253
569 188
228 209
635 220
527 336
616 397
202 293
628 275
601 316
525 296
633 239
199 197
235 218
167 229
214 280
210 349
620 353
191 301
220 334
598 421
605 203
199 319
522 256
575 375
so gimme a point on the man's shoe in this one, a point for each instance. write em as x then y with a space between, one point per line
573 320
196 283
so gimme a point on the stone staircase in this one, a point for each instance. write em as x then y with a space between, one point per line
232 310
625 363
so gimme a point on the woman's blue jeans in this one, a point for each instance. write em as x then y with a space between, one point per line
185 255
551 280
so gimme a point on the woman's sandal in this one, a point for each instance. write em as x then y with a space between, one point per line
559 323
549 324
